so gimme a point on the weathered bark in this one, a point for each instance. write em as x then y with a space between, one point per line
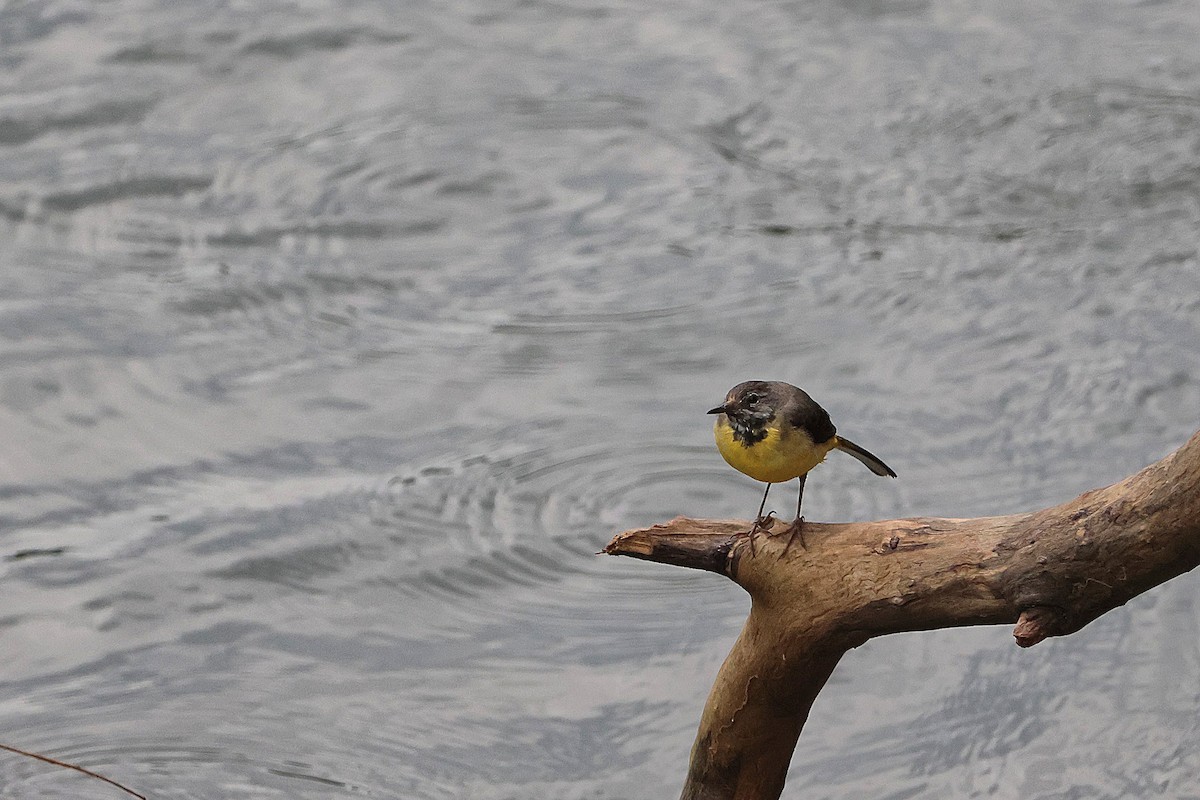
1050 571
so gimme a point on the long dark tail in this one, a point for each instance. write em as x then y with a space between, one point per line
870 459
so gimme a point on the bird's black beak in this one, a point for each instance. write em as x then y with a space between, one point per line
717 410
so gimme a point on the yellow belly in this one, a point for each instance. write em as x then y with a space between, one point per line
777 458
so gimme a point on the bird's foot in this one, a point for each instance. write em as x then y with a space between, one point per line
793 531
761 525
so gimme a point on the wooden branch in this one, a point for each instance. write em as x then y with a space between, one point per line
1050 571
68 765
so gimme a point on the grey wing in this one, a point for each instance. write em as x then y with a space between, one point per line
803 412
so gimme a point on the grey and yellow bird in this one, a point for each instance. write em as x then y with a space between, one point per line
774 432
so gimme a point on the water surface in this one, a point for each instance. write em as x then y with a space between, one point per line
336 338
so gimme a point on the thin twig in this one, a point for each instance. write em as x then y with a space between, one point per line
75 767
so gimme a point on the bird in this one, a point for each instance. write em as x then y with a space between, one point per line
774 432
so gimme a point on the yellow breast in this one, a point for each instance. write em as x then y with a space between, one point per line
781 456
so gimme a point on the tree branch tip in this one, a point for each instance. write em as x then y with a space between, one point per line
642 541
620 545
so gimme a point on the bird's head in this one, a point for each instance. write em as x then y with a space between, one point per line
752 404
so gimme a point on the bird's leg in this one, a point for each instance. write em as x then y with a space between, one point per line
796 528
758 518
800 498
758 521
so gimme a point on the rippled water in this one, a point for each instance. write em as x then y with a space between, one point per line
336 338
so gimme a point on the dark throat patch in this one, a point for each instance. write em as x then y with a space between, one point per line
748 431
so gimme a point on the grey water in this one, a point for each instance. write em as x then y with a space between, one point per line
336 338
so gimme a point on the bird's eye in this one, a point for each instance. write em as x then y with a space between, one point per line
752 398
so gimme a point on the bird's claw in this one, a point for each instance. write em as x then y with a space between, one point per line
761 525
793 530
